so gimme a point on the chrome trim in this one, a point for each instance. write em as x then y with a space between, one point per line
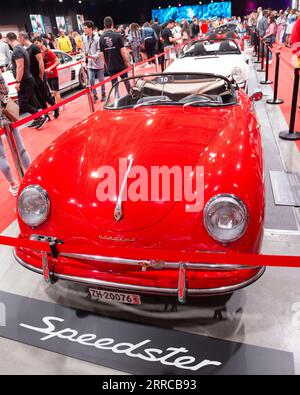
157 264
239 201
46 269
150 290
118 213
182 283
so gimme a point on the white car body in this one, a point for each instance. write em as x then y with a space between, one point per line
234 65
69 78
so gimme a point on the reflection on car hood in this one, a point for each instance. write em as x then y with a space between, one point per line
165 136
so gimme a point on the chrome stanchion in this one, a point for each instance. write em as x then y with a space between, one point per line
9 132
90 99
156 63
291 134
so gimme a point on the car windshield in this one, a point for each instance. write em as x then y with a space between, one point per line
211 48
226 28
184 89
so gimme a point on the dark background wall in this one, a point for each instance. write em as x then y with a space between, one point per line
123 11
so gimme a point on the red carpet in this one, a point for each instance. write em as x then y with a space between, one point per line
286 83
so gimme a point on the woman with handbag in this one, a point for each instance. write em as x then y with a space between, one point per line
4 166
135 40
281 22
291 20
270 36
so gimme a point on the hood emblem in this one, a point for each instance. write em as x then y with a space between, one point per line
118 213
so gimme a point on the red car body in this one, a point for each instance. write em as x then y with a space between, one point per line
64 170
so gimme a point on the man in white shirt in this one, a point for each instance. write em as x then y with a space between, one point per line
5 53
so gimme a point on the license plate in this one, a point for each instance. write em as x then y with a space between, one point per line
99 295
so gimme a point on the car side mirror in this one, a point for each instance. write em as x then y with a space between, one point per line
257 96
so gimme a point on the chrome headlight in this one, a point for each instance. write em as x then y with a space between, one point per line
225 218
237 74
33 205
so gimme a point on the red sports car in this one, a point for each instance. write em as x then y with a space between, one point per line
171 165
223 32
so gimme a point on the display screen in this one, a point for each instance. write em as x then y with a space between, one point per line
80 22
61 23
206 11
37 23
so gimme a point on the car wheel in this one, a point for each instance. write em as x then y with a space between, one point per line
82 78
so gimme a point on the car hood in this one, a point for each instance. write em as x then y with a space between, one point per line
161 136
221 65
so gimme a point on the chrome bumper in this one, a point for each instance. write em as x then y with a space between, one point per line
181 291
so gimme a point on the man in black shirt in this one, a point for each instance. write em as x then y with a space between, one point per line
195 28
114 52
156 27
24 80
167 38
37 68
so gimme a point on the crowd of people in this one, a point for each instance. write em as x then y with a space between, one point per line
281 27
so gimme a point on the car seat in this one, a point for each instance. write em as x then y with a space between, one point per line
225 46
199 49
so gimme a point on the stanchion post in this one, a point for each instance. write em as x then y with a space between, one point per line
258 50
275 99
267 81
262 45
9 131
90 99
291 134
156 63
255 49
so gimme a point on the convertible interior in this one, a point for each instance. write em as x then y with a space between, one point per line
176 89
211 48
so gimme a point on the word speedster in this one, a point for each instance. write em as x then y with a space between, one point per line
165 357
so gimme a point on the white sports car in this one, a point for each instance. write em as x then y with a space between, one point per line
216 57
72 77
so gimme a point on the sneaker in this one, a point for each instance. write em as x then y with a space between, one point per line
33 124
42 122
56 113
14 190
96 98
103 98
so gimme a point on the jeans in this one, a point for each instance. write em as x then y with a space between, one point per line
93 74
4 166
115 80
136 53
